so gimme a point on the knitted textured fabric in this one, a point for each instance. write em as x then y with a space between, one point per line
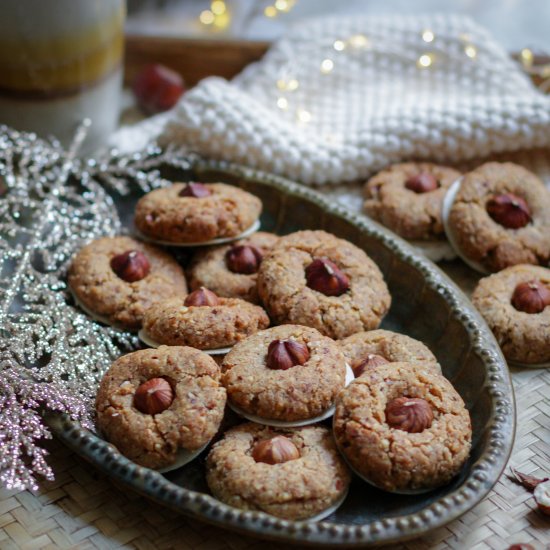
376 105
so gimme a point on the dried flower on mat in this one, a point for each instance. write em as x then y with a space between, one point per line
529 482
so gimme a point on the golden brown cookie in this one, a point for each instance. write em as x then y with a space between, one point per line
500 216
373 348
403 427
157 405
289 473
407 198
207 326
516 305
288 373
172 215
312 278
231 270
145 276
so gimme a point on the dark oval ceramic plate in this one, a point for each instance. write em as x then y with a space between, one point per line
426 305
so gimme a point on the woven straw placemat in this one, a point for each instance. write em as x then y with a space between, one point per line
84 509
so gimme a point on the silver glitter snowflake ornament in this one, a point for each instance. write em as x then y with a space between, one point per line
52 355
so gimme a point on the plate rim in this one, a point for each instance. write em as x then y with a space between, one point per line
484 473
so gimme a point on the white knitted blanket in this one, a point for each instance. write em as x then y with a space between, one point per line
339 98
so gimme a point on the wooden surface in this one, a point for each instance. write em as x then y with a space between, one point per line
194 59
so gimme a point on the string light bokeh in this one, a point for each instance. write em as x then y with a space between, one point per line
293 74
218 17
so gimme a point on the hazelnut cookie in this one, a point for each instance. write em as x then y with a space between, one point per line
516 305
403 427
289 473
160 407
408 198
195 213
288 373
315 279
231 270
370 349
499 216
202 320
115 279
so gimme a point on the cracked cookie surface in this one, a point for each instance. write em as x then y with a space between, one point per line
482 239
298 393
394 459
283 289
188 423
392 346
165 216
209 269
412 215
297 489
523 337
121 303
173 323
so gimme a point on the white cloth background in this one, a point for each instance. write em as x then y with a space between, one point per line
375 107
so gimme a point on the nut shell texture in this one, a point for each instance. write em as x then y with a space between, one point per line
412 215
191 420
392 346
523 337
482 239
209 268
282 286
123 303
164 215
296 489
298 393
393 459
205 327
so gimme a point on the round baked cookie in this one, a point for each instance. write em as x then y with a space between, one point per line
407 198
524 336
315 279
516 198
313 478
164 215
188 422
206 327
109 296
409 445
229 270
370 349
278 391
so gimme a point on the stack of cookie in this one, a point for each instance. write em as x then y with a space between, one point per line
497 219
285 331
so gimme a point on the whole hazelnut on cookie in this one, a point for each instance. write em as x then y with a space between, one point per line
196 190
370 361
201 297
285 354
423 182
153 396
276 450
411 415
131 266
244 259
531 297
324 276
509 210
